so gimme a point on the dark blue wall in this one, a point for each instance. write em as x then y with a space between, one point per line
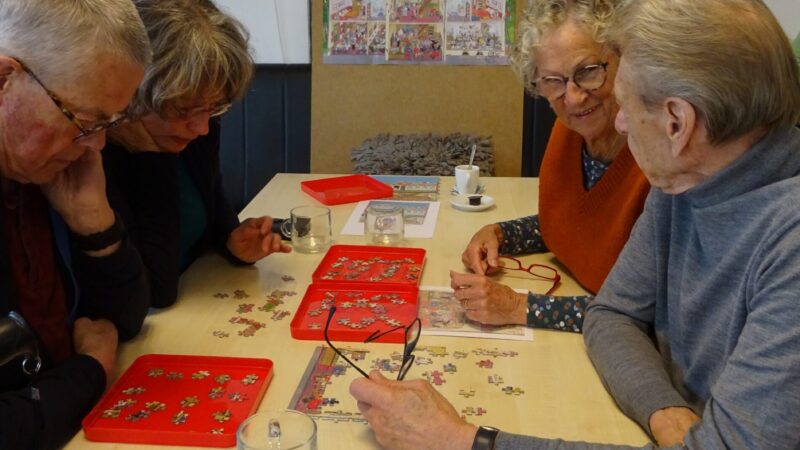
268 132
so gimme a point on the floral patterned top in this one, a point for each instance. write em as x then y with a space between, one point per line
524 235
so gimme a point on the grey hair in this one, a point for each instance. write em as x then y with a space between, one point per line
729 58
58 38
543 16
197 50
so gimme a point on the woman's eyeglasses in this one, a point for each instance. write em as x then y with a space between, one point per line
588 78
540 271
412 333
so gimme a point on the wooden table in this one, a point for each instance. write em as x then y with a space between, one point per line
563 397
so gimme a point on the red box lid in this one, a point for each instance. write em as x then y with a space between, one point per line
346 189
145 403
364 307
371 264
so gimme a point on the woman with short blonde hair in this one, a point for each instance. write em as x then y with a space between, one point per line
163 167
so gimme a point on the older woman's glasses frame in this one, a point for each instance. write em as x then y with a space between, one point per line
588 78
540 271
85 130
411 334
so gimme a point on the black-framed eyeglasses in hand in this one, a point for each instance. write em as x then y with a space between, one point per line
412 333
540 271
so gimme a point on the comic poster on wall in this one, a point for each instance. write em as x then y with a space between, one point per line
478 32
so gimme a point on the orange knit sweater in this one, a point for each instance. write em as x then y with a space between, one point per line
587 230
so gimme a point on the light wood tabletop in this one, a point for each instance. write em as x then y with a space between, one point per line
562 395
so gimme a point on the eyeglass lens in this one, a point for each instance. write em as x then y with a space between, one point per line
588 78
412 334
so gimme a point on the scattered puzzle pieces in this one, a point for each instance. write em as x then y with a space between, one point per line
450 368
287 278
220 334
485 364
245 308
466 393
508 390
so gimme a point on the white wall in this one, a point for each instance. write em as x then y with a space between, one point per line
279 32
788 14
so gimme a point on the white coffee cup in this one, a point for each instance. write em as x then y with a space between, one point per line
467 179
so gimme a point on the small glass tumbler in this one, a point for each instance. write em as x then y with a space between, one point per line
384 224
285 429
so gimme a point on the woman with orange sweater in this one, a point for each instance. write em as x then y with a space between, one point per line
591 191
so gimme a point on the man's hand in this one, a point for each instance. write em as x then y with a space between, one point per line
78 194
487 301
410 415
98 339
670 425
481 253
254 239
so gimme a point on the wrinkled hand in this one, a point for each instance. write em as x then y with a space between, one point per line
253 239
98 339
78 194
133 136
670 425
481 253
410 415
487 301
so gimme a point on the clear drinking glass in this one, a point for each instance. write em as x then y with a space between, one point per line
285 429
310 228
384 224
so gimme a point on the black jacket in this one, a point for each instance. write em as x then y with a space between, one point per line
112 287
144 189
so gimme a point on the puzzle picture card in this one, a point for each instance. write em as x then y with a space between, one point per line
180 400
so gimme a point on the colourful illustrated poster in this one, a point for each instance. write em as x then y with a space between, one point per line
415 42
478 32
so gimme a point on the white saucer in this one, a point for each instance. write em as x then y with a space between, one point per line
462 202
481 190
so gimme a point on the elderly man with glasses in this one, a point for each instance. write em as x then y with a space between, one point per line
67 72
695 331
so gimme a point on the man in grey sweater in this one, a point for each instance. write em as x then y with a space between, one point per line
696 331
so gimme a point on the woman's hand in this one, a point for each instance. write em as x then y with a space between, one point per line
253 239
487 301
481 253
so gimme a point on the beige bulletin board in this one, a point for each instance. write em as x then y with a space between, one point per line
352 103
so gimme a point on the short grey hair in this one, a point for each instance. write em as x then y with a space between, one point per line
60 38
729 58
542 16
197 50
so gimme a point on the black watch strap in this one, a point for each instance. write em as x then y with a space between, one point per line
98 241
484 438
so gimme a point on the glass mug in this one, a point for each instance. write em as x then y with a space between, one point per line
384 224
310 228
285 429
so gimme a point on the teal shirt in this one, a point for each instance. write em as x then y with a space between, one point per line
192 215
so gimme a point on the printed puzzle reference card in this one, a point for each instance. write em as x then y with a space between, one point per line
484 383
441 315
420 217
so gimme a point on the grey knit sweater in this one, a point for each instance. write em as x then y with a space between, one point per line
702 308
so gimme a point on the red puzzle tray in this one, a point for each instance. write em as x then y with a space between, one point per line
180 400
371 264
361 310
346 189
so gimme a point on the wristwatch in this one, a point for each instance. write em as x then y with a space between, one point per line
484 438
98 241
